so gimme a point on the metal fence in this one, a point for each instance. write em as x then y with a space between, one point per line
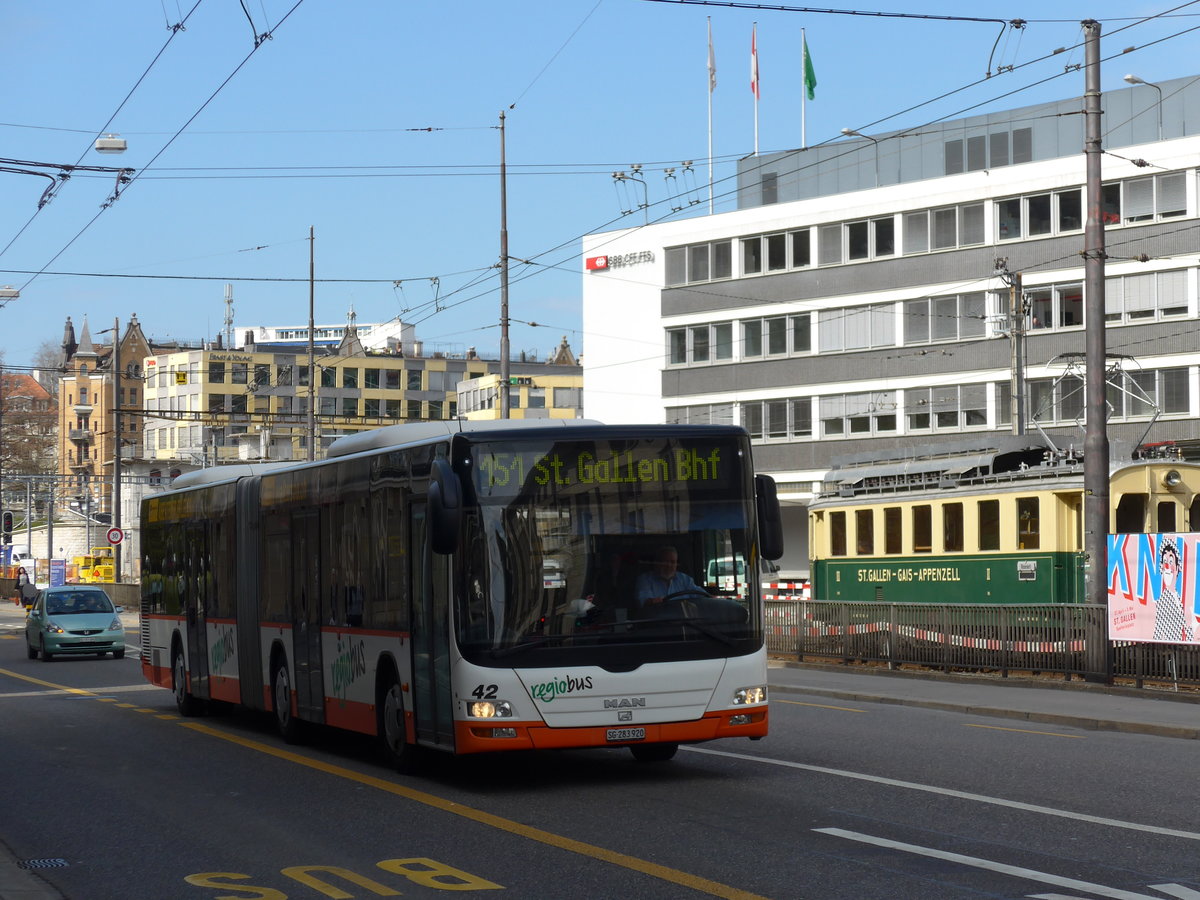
1050 638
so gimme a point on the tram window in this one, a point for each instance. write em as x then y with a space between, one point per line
893 538
1029 524
952 526
922 526
989 524
1131 514
837 534
1166 517
864 531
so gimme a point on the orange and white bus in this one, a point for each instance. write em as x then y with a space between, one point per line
398 588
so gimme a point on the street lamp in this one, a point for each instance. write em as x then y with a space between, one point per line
1133 79
110 143
850 132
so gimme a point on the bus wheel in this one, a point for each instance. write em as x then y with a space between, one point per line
184 701
389 706
653 752
281 694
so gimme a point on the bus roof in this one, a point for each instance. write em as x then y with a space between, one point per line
418 432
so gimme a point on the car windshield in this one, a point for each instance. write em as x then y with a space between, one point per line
81 602
571 540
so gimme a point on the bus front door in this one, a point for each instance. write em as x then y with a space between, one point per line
306 617
433 709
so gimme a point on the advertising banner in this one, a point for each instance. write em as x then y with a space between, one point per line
1153 593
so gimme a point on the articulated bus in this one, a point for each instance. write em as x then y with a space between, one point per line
471 587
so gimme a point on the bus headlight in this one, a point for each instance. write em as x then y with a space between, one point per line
748 695
488 709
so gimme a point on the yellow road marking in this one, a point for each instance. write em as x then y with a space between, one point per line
1076 737
675 876
665 873
817 705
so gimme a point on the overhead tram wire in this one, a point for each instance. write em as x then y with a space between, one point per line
163 49
163 149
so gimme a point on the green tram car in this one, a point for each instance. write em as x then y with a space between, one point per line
1001 523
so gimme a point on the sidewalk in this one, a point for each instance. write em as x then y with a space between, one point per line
1075 703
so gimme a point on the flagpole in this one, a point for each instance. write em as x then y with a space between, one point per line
712 83
754 79
803 63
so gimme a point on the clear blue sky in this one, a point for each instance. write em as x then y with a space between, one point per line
317 129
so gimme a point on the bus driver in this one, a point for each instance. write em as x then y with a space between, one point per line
666 579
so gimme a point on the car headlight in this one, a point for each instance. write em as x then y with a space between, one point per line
54 628
116 625
489 709
747 695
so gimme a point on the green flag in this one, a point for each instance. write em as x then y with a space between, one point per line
810 76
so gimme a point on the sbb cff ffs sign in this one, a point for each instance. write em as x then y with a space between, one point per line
618 260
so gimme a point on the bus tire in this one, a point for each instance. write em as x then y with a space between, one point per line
290 728
648 753
185 702
393 738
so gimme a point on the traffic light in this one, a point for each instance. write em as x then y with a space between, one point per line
6 526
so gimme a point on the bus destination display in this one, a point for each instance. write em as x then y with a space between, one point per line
503 471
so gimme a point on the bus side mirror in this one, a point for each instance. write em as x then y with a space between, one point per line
445 507
770 523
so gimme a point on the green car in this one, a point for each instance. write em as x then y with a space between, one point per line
74 620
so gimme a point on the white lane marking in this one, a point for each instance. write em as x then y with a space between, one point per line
961 795
1177 890
1099 890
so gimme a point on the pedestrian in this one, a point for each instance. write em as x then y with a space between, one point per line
25 587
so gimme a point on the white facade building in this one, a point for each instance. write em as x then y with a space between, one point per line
858 300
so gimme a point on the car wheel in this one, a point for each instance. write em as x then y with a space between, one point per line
398 752
119 653
46 654
281 699
653 752
187 704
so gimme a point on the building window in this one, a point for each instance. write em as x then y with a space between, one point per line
371 379
240 373
216 373
262 374
858 415
414 381
414 409
1140 298
349 377
949 408
960 317
856 328
1143 394
391 379
829 245
1154 197
699 262
391 409
700 343
283 375
536 399
328 376
350 406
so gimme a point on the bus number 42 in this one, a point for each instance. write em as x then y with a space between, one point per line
485 692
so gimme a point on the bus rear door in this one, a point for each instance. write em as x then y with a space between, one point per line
306 616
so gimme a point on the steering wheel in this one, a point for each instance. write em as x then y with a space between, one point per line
694 591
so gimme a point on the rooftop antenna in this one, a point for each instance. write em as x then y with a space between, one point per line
229 316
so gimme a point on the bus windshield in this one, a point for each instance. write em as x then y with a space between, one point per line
602 549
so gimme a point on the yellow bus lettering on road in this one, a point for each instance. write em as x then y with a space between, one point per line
430 873
303 874
418 869
246 892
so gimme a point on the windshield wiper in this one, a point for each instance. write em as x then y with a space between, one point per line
699 626
536 641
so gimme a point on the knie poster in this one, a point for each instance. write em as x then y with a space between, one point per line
1152 588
